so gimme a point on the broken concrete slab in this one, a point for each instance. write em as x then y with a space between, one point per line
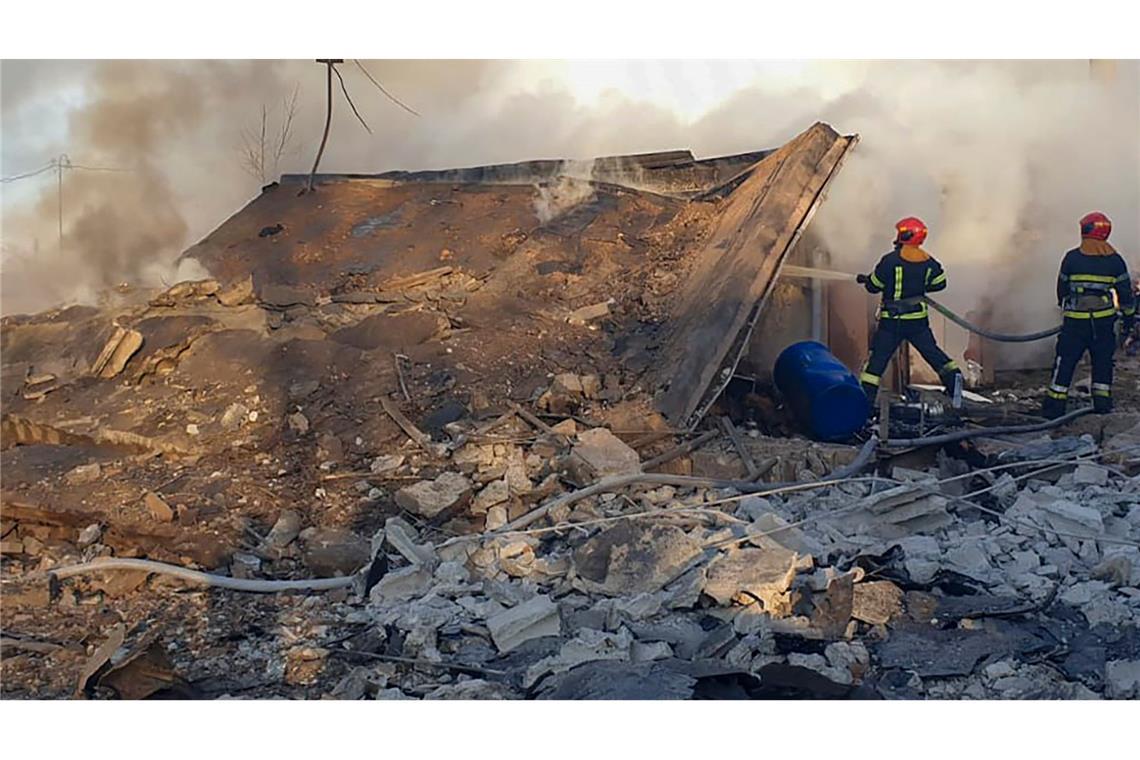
402 537
588 646
1122 679
635 558
606 454
742 574
285 529
969 558
431 498
401 585
530 620
1067 513
1090 475
588 314
122 345
494 493
780 535
642 652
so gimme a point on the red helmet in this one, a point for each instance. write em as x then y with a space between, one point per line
910 231
1095 225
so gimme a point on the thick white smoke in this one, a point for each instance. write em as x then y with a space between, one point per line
1000 158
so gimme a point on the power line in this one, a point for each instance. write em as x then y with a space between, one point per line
96 168
26 175
380 87
61 163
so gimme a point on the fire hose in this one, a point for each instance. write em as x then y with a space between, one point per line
827 274
1001 337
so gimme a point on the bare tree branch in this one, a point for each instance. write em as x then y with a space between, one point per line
349 99
380 87
261 153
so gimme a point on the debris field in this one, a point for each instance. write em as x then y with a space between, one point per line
418 438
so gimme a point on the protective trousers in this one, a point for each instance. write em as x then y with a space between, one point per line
888 336
1096 336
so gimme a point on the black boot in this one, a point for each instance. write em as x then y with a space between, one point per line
1102 404
1052 408
872 392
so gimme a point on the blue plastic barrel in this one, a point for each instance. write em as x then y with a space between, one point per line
824 396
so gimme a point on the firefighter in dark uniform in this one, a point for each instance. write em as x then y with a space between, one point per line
904 276
1089 276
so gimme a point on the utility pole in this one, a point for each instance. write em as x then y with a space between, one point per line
329 64
61 163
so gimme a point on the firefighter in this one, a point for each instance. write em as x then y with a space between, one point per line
904 276
1089 275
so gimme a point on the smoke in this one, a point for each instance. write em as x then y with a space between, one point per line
999 158
571 187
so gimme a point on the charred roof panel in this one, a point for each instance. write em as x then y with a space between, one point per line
737 266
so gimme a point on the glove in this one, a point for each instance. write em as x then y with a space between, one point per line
1127 326
862 279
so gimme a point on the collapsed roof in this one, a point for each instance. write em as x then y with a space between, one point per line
695 271
484 282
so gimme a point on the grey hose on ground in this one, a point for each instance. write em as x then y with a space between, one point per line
205 579
1001 337
961 435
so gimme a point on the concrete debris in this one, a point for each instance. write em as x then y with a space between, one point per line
402 537
298 423
285 530
606 454
531 620
431 498
746 574
257 428
642 652
588 646
877 602
387 464
89 535
334 551
237 293
159 509
630 559
1122 679
403 584
234 417
497 517
1090 475
494 493
122 345
587 314
85 473
473 689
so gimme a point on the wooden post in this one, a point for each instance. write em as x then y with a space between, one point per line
329 63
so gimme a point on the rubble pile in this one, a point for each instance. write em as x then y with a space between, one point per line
500 462
1018 581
